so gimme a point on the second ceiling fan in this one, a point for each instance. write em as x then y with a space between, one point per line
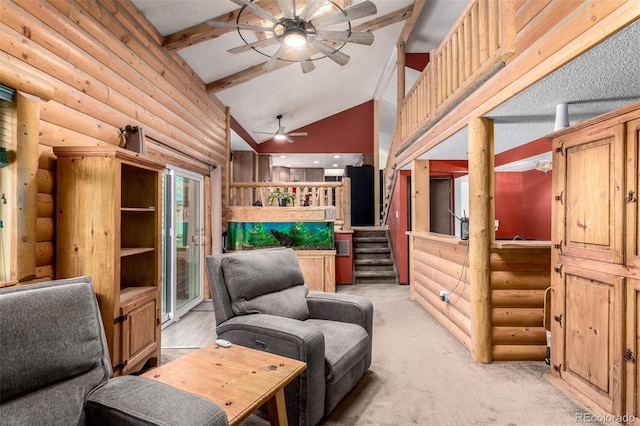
302 35
281 134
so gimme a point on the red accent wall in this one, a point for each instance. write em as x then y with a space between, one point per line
344 264
453 168
348 132
537 147
536 205
523 205
243 134
398 226
416 61
509 204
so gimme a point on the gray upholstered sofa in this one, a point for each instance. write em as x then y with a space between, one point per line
261 301
55 367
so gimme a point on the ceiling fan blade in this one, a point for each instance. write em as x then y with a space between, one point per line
264 133
335 55
239 26
346 36
286 7
298 134
249 46
305 60
288 139
360 10
273 61
310 9
256 10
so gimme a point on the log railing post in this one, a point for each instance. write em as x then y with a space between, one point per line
27 159
481 214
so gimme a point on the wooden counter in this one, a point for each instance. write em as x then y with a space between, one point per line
281 214
519 274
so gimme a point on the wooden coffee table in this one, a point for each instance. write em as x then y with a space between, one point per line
238 379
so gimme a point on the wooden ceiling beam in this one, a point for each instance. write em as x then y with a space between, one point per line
258 70
202 32
411 22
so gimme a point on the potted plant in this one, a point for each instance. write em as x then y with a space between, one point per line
283 197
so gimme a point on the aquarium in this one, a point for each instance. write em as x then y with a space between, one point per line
297 235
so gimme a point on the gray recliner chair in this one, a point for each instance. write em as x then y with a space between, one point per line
261 302
55 367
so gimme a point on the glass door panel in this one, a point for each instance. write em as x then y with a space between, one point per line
183 243
188 241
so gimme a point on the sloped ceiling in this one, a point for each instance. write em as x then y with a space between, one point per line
302 99
602 79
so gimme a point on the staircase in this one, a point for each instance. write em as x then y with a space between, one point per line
372 259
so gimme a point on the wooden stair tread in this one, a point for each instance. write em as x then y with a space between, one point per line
374 261
375 274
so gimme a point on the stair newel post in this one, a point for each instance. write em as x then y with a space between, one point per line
481 219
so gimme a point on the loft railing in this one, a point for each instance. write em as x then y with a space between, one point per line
320 194
482 37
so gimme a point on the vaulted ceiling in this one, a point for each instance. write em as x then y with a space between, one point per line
600 80
256 96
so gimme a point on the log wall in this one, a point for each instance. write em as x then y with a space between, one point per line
519 274
46 215
97 66
440 263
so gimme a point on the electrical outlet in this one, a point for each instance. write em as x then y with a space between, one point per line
444 295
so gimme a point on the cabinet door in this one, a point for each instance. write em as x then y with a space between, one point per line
140 332
314 175
631 194
243 166
592 176
590 356
265 168
313 271
319 271
632 372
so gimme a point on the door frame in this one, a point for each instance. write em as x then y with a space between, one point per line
169 230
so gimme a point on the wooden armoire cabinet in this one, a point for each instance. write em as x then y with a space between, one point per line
595 307
108 228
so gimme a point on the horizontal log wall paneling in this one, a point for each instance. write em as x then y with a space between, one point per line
45 222
98 66
109 70
518 279
438 266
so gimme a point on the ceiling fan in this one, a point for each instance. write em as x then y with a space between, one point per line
281 134
305 35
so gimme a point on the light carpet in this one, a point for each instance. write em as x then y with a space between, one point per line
421 375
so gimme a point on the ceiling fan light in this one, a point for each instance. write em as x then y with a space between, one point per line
279 137
295 35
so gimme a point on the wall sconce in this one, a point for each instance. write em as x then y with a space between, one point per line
544 166
134 139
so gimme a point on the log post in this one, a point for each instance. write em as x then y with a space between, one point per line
481 213
401 72
420 212
420 182
27 159
346 203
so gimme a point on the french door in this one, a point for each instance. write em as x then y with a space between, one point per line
183 243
